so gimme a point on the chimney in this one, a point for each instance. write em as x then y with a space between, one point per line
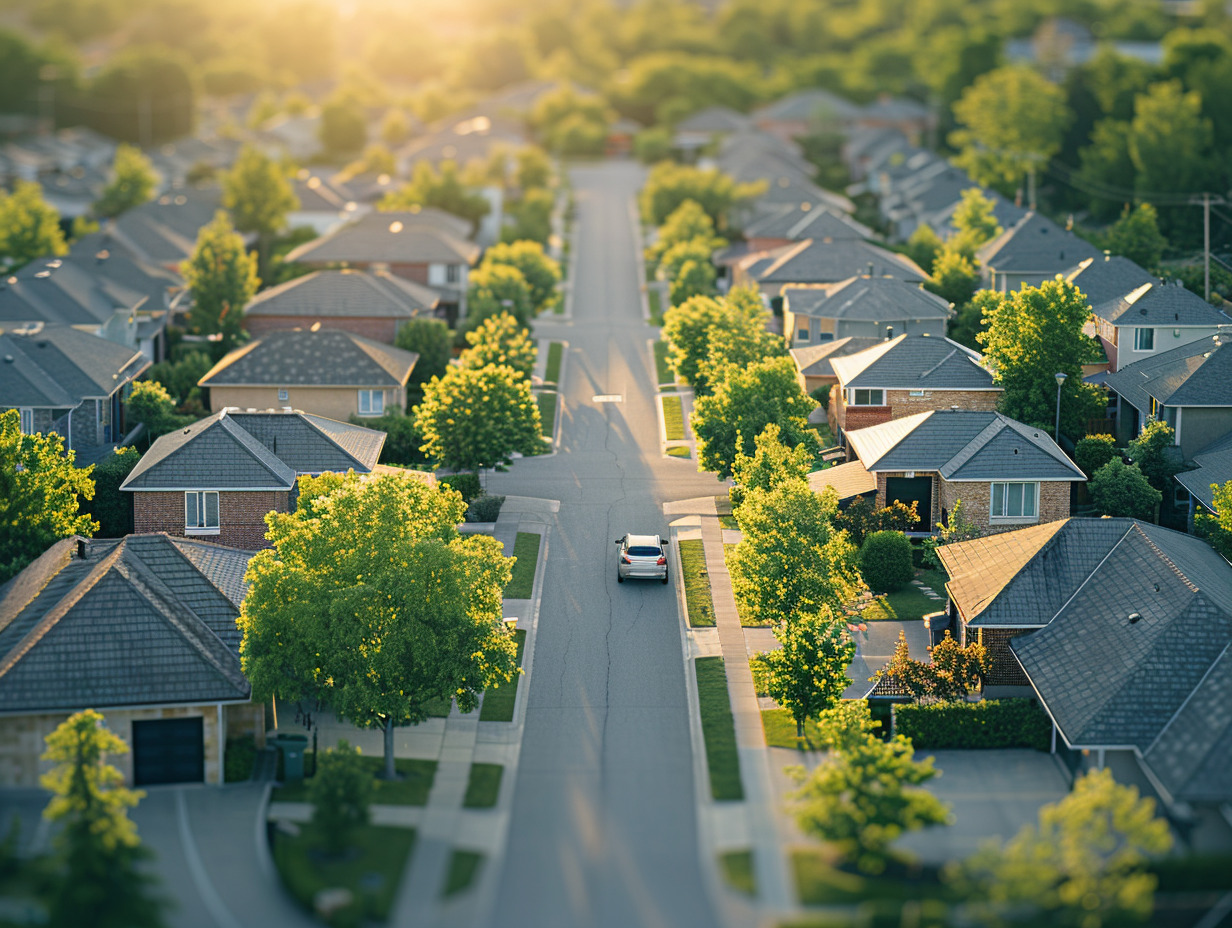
81 549
889 333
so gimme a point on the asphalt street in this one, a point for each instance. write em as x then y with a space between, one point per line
604 829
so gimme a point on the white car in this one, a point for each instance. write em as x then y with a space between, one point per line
642 557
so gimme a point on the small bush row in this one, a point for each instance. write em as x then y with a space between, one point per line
991 723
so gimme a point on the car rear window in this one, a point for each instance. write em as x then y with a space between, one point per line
645 551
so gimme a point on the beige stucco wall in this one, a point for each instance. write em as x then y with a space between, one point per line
331 402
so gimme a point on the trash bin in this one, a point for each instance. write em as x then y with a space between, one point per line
292 748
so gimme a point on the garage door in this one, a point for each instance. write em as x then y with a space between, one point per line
168 751
913 489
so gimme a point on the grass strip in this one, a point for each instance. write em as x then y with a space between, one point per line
411 790
526 550
719 729
908 603
780 730
655 303
463 868
819 882
556 354
662 367
697 599
483 786
737 870
673 417
547 413
371 871
679 451
729 522
498 702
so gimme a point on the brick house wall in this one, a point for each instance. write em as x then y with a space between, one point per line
900 404
851 418
1053 504
1005 669
241 515
381 329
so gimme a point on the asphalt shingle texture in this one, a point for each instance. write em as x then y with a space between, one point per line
60 366
870 299
1036 245
914 362
819 261
326 357
1197 374
347 293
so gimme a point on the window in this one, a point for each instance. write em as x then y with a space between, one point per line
802 334
1014 501
371 402
1144 339
868 398
27 421
201 511
282 395
452 273
918 392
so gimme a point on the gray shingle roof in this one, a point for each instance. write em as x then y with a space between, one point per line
1036 245
791 221
57 292
164 231
346 293
388 238
869 299
817 360
1213 466
133 623
1197 374
714 119
914 362
819 261
1108 278
59 366
808 105
963 445
1159 304
325 357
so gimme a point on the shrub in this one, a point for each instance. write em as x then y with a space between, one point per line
240 758
992 723
822 396
340 792
885 561
484 508
1120 489
1093 452
466 484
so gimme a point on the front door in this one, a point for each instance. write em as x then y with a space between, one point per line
918 490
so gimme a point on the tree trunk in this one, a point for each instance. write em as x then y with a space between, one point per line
389 773
799 728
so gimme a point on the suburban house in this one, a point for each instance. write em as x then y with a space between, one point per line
163 232
822 261
906 375
218 477
374 304
1212 466
863 307
1123 631
1189 387
815 363
1006 474
1031 251
795 222
1153 318
929 197
806 112
419 246
321 371
323 206
703 127
69 382
142 629
1109 278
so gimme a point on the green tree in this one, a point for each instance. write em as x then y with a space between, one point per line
150 404
862 518
340 792
975 220
443 189
498 288
693 275
344 129
863 797
1120 489
143 94
40 494
954 277
258 194
432 340
1106 164
112 509
1083 866
653 145
670 184
180 377
99 878
687 223
370 602
395 127
533 168
540 272
687 327
956 528
1156 454
500 340
885 561
222 277
923 246
472 419
791 559
955 671
402 438
531 217
971 318
742 339
1034 334
133 181
808 674
771 464
1013 122
1217 528
29 227
571 123
1093 452
730 419
1136 235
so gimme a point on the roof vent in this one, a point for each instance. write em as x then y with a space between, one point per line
954 408
8 359
1135 618
81 549
1156 585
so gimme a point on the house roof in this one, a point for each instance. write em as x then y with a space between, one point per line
822 261
388 238
817 360
1213 466
346 293
850 479
58 366
1159 304
139 621
1197 374
914 362
1035 245
867 299
164 231
796 221
321 358
714 119
808 105
253 451
963 445
317 194
1108 278
56 291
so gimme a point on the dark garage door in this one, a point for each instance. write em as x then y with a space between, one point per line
168 751
917 489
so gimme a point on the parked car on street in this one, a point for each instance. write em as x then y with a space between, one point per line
642 557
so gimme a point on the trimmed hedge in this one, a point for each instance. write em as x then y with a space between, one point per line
992 723
885 561
485 508
466 484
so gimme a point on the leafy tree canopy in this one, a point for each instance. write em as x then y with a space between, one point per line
1120 489
499 340
432 340
540 271
687 223
151 404
258 194
222 277
808 674
133 181
670 184
1136 235
443 189
772 462
472 419
495 288
29 227
1156 454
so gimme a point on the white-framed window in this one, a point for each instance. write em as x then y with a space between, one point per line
201 512
282 395
1144 339
917 392
27 421
802 334
371 402
453 273
1014 501
868 397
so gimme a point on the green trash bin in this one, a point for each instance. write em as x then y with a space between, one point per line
292 748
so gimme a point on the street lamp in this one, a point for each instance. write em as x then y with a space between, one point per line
1056 434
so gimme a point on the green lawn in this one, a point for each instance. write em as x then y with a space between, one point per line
780 730
483 786
819 882
372 874
909 603
679 451
556 354
673 417
663 369
738 873
729 522
526 550
499 701
697 599
655 303
719 729
463 868
547 413
411 790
